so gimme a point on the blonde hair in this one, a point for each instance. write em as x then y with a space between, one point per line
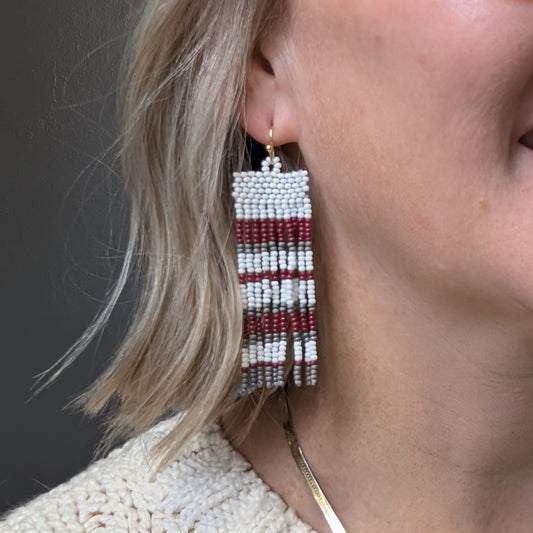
185 80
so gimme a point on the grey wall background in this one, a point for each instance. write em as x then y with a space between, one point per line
61 222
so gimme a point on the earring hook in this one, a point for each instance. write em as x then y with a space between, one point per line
270 146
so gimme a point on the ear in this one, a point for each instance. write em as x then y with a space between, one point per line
269 100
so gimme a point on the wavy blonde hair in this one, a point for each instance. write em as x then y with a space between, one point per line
185 80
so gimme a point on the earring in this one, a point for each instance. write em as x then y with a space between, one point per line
275 265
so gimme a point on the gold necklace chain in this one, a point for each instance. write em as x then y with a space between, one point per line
299 457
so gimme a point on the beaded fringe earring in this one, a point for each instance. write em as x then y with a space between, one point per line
275 263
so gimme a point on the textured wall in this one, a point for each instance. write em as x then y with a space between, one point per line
61 221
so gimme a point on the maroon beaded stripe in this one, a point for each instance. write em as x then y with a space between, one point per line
278 322
264 231
273 275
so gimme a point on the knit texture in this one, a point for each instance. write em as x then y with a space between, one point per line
209 488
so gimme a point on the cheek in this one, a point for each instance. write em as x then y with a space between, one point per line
407 139
412 98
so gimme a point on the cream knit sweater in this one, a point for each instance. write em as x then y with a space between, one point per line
208 488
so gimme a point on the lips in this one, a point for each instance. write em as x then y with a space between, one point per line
527 140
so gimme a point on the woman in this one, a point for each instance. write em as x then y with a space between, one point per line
415 121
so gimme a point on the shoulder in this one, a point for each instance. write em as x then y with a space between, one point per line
209 487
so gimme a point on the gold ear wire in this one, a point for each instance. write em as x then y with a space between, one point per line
270 146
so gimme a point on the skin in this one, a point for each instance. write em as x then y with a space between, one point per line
408 115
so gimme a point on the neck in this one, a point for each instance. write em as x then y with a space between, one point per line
425 402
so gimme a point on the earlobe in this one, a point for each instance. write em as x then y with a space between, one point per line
268 103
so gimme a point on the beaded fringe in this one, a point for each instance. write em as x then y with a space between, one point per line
275 263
